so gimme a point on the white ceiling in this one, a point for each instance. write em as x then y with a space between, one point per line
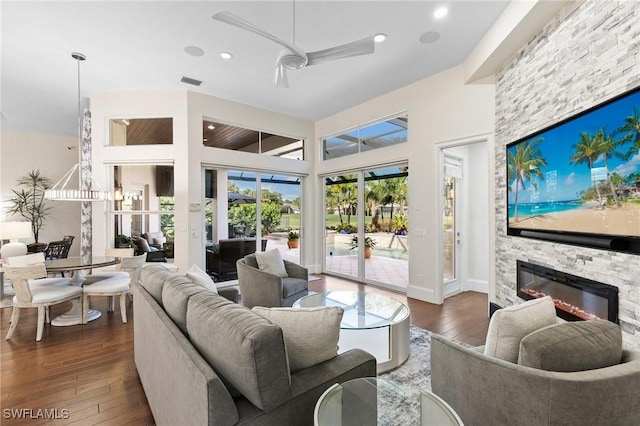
140 46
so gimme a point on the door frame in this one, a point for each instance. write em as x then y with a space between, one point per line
439 147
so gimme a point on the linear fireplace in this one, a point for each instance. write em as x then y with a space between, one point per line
576 298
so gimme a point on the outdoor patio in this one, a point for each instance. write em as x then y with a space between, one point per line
377 268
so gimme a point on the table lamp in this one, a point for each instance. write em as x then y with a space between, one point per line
12 231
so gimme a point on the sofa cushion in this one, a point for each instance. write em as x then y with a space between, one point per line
508 326
175 294
572 346
153 278
310 334
200 277
246 350
271 262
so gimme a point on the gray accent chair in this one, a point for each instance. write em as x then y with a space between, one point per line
259 288
204 360
489 391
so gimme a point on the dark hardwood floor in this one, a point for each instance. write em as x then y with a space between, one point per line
86 375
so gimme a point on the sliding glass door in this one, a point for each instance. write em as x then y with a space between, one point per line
366 226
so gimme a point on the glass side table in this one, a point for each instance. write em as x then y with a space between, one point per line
371 401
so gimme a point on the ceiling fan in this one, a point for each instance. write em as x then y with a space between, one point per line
294 58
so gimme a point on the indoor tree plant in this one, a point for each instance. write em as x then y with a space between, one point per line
28 201
292 239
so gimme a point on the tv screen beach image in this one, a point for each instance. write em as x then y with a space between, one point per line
582 175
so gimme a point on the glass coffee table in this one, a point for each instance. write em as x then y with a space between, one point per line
373 322
370 402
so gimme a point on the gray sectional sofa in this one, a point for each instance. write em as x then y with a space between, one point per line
204 360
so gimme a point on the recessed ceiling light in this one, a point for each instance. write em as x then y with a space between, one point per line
440 12
429 37
226 55
194 51
379 38
211 127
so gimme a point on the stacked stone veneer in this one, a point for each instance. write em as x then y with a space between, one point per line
589 53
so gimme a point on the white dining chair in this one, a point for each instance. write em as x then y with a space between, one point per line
115 286
112 271
28 296
34 259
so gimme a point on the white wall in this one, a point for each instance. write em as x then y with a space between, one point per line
21 152
440 108
187 154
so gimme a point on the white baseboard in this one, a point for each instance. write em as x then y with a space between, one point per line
421 293
481 286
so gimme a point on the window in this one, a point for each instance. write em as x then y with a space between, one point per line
224 136
378 135
141 131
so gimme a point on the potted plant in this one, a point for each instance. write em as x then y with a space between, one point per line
369 244
123 241
28 201
293 238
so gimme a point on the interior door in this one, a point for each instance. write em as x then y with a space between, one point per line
451 224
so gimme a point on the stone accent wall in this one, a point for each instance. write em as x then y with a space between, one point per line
589 53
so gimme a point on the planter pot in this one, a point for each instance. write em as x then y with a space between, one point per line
292 244
367 252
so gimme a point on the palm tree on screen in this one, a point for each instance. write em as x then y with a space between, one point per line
587 150
608 148
632 129
524 164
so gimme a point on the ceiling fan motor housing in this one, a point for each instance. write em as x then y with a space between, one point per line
293 61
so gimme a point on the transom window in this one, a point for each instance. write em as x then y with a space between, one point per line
378 135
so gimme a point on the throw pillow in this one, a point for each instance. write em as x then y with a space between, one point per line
508 326
573 346
271 262
200 277
310 334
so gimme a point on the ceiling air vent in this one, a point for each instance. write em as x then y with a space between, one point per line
191 81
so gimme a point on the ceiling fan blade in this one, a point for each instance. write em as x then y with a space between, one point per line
355 48
281 79
233 19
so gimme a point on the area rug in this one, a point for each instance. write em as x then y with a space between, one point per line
314 278
416 371
411 378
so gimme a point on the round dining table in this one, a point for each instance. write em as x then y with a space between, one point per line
77 265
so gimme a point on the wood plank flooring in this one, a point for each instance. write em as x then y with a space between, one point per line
86 375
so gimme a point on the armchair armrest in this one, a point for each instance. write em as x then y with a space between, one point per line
229 293
296 271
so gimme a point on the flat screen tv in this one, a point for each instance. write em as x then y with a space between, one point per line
578 181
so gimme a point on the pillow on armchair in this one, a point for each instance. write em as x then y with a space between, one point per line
573 346
271 262
509 326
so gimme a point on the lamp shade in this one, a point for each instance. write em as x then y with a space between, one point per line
15 230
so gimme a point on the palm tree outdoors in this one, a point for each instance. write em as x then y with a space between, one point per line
587 151
608 148
524 165
632 129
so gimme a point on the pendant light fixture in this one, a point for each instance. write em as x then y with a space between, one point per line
59 191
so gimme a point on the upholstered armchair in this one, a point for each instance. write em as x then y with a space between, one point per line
260 288
153 254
